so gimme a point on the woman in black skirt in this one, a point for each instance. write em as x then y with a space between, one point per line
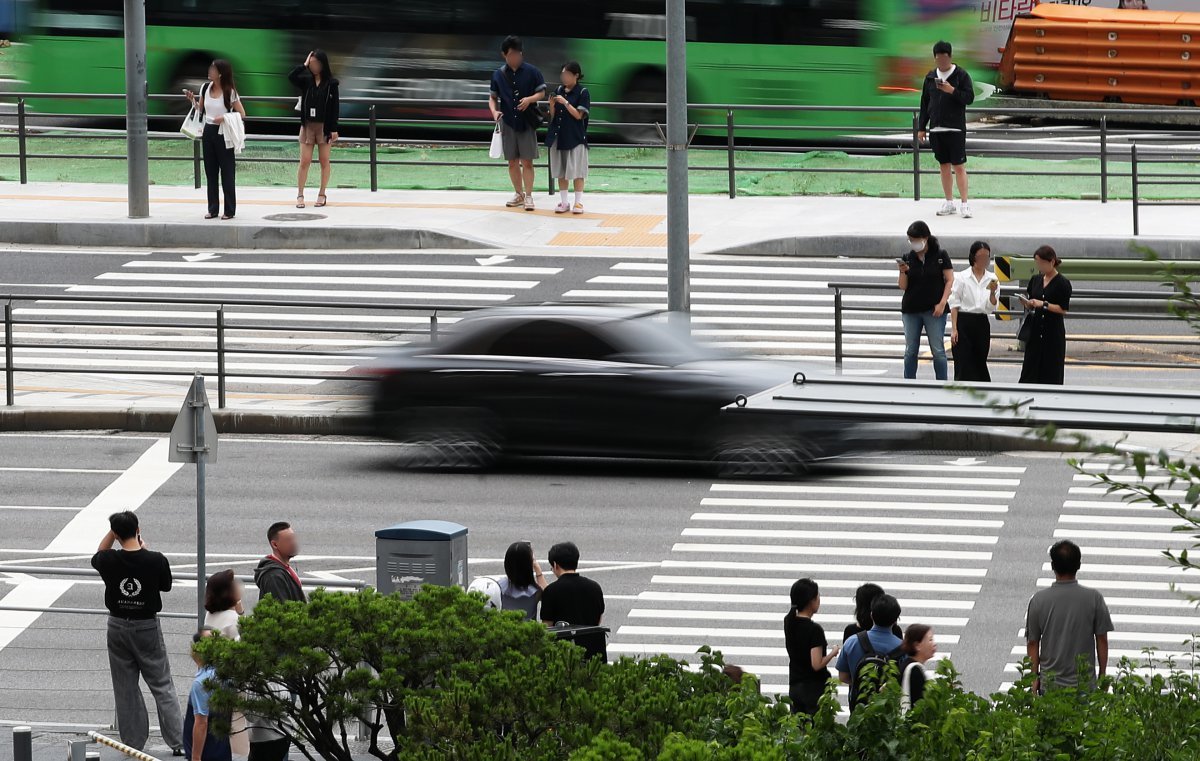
972 302
1049 300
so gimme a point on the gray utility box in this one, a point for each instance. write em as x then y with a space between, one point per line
411 555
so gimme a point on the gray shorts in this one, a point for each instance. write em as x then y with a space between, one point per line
518 145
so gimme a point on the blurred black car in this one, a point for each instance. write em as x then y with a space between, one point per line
587 381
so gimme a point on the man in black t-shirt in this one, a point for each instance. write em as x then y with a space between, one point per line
134 578
573 599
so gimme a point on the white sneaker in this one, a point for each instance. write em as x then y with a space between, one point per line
947 209
966 211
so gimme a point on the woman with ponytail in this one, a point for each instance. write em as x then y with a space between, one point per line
808 668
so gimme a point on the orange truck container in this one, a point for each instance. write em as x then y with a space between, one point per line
1069 52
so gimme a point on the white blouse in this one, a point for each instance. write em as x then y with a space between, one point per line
971 295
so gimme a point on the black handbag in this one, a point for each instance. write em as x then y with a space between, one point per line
1025 332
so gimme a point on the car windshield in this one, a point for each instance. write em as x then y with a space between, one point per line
655 340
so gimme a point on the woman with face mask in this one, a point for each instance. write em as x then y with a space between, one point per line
926 277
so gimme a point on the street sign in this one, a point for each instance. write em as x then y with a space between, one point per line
195 430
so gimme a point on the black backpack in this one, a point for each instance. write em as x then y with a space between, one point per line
871 673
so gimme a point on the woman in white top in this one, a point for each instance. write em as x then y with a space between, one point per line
919 648
522 584
972 301
223 604
219 97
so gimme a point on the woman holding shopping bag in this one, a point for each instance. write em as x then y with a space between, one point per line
218 98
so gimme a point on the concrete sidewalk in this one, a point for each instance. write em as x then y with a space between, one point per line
95 215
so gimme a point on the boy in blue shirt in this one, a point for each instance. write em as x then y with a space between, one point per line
199 743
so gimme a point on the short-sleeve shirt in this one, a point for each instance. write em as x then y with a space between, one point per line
215 748
1057 291
579 601
511 86
133 581
883 640
565 131
1065 619
926 280
801 635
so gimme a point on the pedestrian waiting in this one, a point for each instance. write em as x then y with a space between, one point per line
1044 330
808 651
319 109
919 648
570 107
200 743
864 598
945 95
866 655
224 135
523 581
223 604
926 277
972 302
275 575
1067 625
573 599
516 88
134 580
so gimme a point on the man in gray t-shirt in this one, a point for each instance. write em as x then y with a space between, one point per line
1067 621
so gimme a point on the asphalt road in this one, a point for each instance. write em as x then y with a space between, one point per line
777 307
684 560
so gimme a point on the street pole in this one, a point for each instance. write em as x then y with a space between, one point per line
678 237
201 539
136 131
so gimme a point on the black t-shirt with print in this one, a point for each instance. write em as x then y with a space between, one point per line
926 280
579 601
133 581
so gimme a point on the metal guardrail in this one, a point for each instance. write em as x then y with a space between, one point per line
219 326
730 121
1091 298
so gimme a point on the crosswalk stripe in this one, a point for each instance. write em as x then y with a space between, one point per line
838 568
1117 520
717 633
910 603
865 520
276 292
834 583
1139 536
908 492
777 549
348 267
820 272
856 505
396 282
769 616
858 536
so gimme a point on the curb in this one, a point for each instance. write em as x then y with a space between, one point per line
876 246
149 234
130 420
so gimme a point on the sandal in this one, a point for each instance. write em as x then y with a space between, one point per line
300 201
321 201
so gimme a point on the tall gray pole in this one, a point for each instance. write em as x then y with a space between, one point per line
201 534
679 299
136 133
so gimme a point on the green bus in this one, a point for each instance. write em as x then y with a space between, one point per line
771 52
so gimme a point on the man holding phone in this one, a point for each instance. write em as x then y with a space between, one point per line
945 95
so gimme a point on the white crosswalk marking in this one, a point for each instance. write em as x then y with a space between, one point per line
1122 558
726 581
167 342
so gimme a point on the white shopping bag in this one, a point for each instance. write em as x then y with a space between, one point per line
193 125
497 149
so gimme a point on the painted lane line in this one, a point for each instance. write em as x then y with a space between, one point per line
883 552
397 321
1162 587
1131 536
749 269
767 617
395 282
45 508
951 467
700 282
686 632
873 491
448 269
783 600
869 520
201 364
15 469
876 536
1130 570
786 583
857 505
1101 491
890 570
660 297
1117 520
254 292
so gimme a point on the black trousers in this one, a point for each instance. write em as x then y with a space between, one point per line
219 166
971 351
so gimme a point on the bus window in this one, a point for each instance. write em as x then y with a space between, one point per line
797 22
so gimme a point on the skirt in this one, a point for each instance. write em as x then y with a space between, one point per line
312 133
569 165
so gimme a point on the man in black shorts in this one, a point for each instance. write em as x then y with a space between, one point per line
945 95
515 90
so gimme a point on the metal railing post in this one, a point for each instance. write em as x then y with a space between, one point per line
196 163
837 330
1133 165
22 158
371 131
1103 159
22 743
9 373
221 357
433 328
729 147
916 143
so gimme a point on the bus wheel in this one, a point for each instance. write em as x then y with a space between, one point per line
648 86
191 74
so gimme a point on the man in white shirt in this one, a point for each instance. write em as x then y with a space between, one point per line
972 302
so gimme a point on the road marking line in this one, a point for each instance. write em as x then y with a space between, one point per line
856 505
839 568
868 520
886 552
782 600
768 617
877 536
1138 536
1118 520
881 492
785 583
40 507
397 282
321 293
717 633
340 267
14 469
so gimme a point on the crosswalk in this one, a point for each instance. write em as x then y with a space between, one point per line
784 311
927 541
1122 546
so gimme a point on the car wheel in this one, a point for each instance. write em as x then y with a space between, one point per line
761 456
446 439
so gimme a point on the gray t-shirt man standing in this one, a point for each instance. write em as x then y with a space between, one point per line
1065 622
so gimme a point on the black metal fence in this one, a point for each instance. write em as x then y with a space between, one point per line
724 127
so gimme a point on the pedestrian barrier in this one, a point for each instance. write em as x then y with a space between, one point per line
120 747
1077 53
1087 305
723 147
1139 157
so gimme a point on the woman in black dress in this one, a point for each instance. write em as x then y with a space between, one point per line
1049 301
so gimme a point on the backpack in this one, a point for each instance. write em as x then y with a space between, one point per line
869 677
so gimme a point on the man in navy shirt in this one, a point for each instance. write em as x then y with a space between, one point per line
515 91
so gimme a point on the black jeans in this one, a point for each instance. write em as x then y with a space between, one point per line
219 165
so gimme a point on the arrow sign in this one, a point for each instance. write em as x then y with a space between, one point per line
497 259
201 257
965 462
